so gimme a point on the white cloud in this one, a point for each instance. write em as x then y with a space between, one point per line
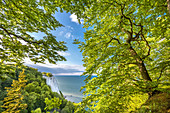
76 73
61 32
68 35
64 66
74 19
23 42
73 37
28 61
63 53
1 46
69 27
57 69
66 32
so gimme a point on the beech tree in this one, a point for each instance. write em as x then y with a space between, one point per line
127 47
20 18
54 103
14 100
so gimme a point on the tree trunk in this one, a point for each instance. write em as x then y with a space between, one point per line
141 65
143 71
168 6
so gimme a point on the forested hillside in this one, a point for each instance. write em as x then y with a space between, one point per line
34 92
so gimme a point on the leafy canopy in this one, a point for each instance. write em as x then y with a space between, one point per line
18 20
54 103
126 46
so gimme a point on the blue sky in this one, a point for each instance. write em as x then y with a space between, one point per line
71 30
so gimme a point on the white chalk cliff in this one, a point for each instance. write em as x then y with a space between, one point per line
52 82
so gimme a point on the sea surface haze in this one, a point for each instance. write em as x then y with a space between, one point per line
70 86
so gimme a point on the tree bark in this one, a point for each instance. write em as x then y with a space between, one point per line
141 65
144 71
168 6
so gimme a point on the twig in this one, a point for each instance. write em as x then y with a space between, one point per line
161 73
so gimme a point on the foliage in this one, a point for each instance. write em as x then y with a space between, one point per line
126 46
19 20
47 74
53 103
38 110
3 92
1 109
35 91
13 103
69 108
136 101
156 104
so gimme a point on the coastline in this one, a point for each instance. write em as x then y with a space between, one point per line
72 98
53 83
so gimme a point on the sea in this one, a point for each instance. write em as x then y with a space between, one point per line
70 87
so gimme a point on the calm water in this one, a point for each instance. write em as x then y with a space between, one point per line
70 87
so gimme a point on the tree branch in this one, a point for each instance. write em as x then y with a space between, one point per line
131 24
108 3
147 44
17 36
139 61
161 73
114 39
